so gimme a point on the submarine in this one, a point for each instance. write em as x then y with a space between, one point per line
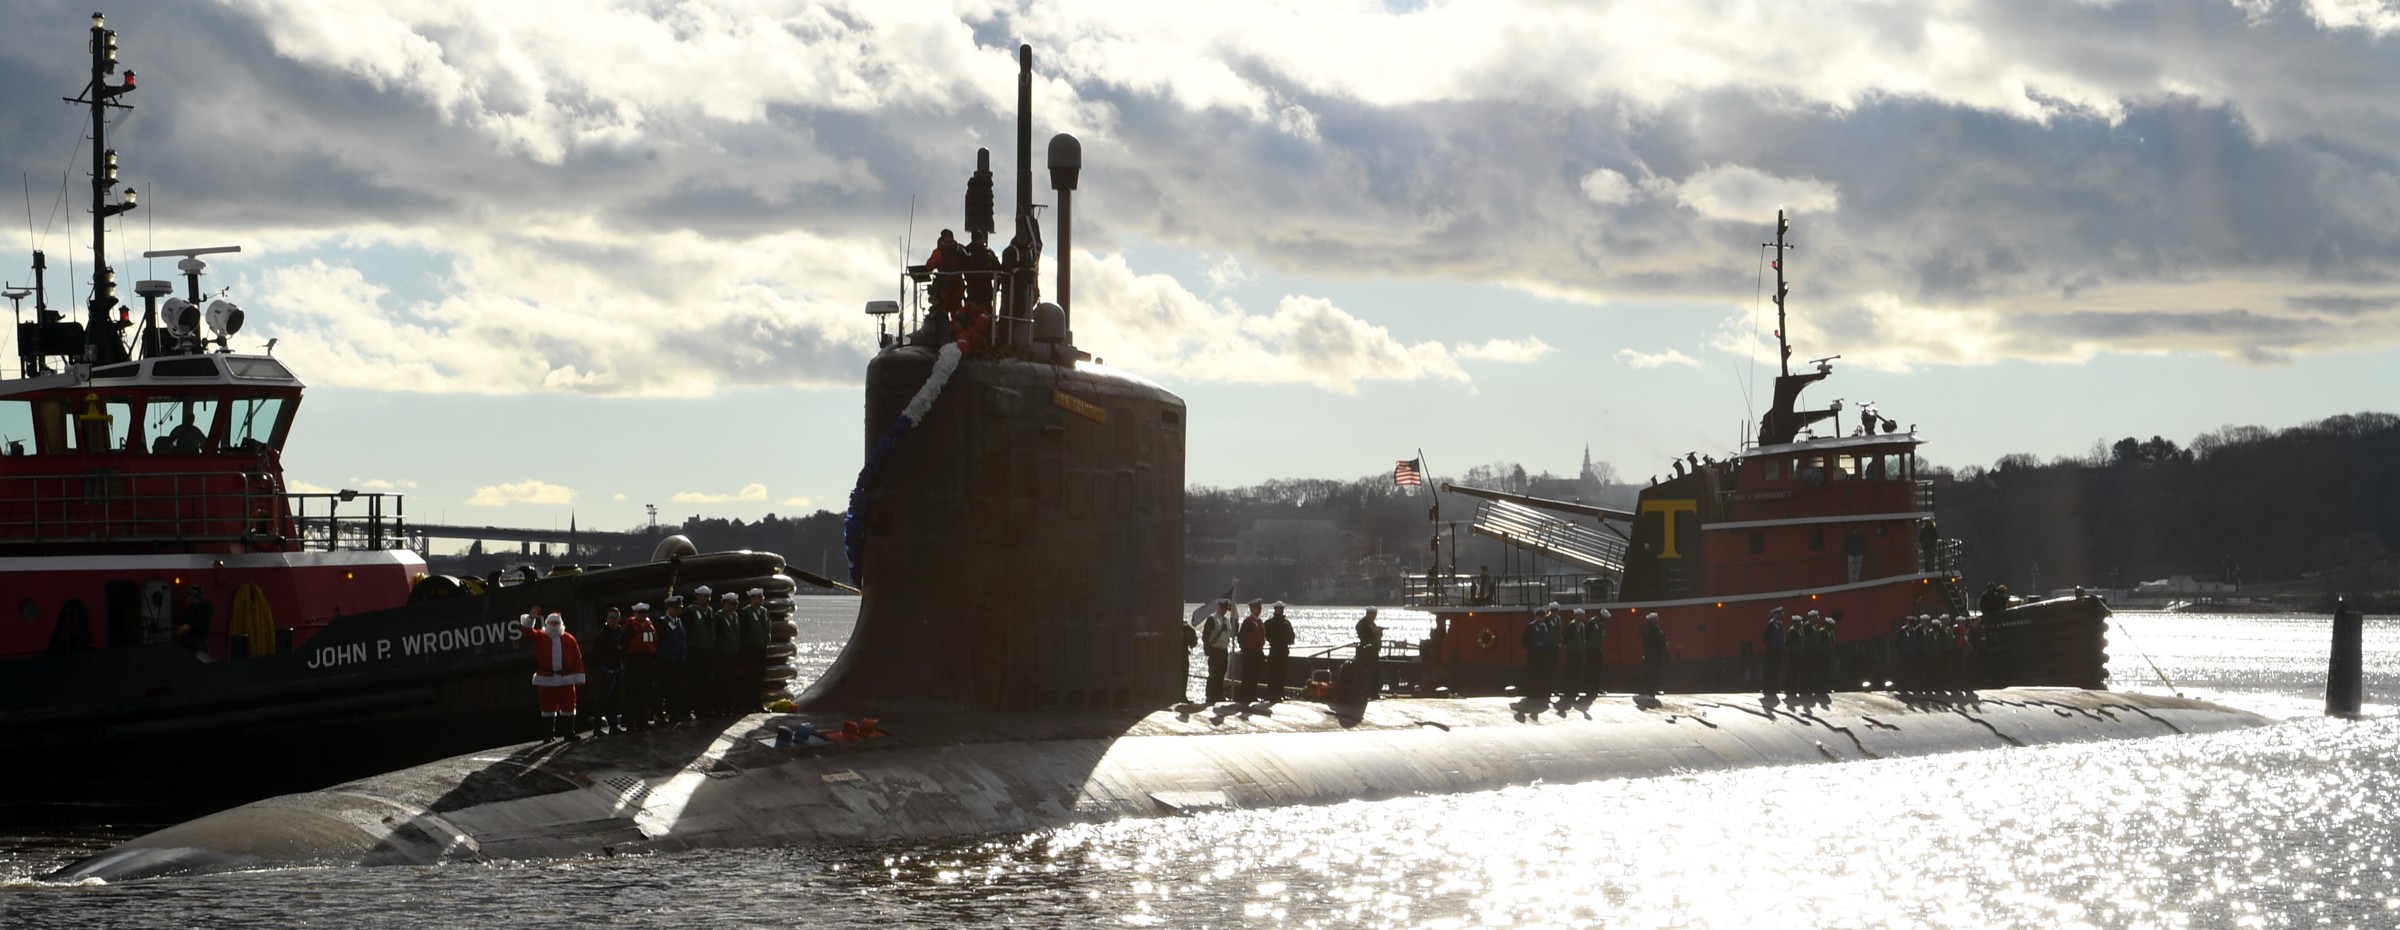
1019 660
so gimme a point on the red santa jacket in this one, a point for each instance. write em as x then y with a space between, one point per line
556 659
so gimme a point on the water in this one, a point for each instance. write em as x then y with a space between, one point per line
2285 826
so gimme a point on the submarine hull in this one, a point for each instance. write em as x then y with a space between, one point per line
937 776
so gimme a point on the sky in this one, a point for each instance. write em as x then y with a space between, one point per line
543 262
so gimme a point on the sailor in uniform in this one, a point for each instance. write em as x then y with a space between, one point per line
1216 633
1252 637
1654 653
674 665
734 696
704 679
1279 651
757 630
557 669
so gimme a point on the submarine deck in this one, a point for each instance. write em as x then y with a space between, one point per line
964 774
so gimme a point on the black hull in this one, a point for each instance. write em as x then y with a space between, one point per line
152 731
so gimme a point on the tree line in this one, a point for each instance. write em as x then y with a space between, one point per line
2313 509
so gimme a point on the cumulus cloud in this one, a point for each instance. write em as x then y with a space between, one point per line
382 484
304 487
1743 194
797 502
528 491
1638 359
671 200
1606 186
1528 349
749 492
1154 324
1224 272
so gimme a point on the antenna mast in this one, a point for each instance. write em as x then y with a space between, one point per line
103 342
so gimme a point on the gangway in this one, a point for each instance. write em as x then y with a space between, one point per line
1600 550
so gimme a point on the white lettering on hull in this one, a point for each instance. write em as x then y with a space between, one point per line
424 644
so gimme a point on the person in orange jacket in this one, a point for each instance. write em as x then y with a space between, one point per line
641 668
557 670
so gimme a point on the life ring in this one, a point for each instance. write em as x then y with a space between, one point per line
1487 639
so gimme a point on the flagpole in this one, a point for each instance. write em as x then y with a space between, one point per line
1426 468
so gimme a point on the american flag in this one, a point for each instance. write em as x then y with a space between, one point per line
1408 473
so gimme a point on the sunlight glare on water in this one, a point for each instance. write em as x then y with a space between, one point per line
2284 826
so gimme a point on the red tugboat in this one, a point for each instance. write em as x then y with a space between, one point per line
183 632
1841 524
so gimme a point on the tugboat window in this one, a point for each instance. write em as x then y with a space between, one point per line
54 428
103 425
1816 539
16 427
180 425
1774 469
253 425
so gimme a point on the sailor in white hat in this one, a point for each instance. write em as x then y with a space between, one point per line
1654 652
638 695
1574 641
1216 639
674 682
1279 650
1367 662
756 631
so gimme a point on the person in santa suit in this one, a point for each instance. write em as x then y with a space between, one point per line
557 669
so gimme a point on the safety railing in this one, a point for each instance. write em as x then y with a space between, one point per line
1833 498
1507 590
108 506
932 296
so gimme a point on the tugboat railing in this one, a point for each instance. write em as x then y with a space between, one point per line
1750 577
106 507
1509 590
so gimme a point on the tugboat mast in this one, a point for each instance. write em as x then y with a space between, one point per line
1785 420
103 339
1783 346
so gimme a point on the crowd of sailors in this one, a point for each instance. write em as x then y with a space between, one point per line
1265 644
698 658
1563 648
971 286
1925 653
